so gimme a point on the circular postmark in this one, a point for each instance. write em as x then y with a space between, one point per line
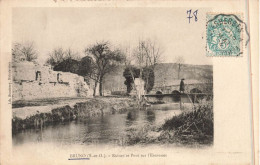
225 35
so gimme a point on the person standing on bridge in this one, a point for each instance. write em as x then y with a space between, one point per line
182 86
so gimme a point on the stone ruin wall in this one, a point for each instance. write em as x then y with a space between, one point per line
32 81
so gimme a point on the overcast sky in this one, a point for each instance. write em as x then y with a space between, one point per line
77 28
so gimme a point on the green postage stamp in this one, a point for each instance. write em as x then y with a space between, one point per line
225 35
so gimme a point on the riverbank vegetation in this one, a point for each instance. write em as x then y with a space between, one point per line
81 110
191 127
188 128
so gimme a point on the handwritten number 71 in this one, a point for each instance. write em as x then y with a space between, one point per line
192 14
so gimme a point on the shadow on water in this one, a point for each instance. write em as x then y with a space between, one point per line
150 116
132 116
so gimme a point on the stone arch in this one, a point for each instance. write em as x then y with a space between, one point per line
176 92
159 93
196 98
176 95
195 90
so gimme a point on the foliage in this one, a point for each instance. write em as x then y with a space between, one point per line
86 67
99 61
194 126
68 65
105 60
146 56
24 52
59 55
81 110
129 78
55 57
147 76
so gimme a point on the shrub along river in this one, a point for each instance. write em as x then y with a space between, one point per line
103 129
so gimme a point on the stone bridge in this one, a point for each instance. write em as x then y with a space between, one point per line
194 90
198 87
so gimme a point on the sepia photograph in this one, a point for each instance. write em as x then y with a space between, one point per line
111 77
129 82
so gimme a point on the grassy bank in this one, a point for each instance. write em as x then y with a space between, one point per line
80 110
192 127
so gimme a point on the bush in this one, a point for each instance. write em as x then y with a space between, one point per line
195 126
147 76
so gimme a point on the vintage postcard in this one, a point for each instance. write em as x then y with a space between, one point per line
129 82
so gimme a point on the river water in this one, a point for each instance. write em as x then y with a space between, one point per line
103 129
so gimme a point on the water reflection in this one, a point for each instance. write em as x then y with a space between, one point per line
103 129
132 116
150 116
39 138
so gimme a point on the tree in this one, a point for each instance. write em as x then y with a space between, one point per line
70 54
105 61
58 55
148 76
148 54
88 71
129 79
24 52
86 68
69 61
179 60
145 56
68 65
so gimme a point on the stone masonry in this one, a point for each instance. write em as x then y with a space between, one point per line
33 81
